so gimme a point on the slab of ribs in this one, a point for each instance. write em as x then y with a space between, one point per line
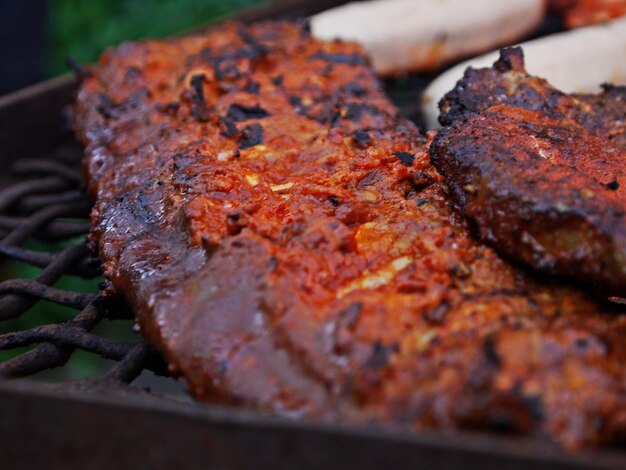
286 243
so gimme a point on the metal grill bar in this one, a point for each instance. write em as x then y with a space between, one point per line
37 167
66 335
38 206
23 228
47 355
34 202
12 306
17 191
31 288
139 357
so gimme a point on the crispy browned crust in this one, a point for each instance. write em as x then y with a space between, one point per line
541 173
287 245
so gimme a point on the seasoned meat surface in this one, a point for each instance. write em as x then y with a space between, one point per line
540 172
287 245
577 13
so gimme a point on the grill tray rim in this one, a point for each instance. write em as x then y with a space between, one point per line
147 430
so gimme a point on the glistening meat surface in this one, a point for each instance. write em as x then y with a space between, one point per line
287 245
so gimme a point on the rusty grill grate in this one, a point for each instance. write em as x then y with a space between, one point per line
44 202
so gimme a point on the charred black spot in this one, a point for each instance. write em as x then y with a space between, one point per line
462 271
80 71
349 317
229 128
255 49
362 138
510 58
107 107
196 84
534 405
226 69
223 61
251 135
334 200
329 116
354 111
168 108
252 87
356 89
490 352
437 315
235 223
327 70
608 87
240 112
141 207
277 80
199 108
222 367
613 185
178 161
410 194
137 97
132 73
367 180
380 356
581 344
296 102
349 59
405 158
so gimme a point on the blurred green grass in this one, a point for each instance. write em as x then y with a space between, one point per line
82 29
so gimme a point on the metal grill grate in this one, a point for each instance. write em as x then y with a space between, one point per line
45 203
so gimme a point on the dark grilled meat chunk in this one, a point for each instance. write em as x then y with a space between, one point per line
540 172
287 245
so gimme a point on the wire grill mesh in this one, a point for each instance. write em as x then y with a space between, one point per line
45 203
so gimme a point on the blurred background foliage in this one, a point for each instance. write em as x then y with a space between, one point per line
83 28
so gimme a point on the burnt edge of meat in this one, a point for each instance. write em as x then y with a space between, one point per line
482 88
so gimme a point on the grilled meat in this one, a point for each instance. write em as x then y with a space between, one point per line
577 13
287 245
540 172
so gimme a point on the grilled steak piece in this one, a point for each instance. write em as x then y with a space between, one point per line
287 245
540 172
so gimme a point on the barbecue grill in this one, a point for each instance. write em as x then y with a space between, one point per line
113 417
